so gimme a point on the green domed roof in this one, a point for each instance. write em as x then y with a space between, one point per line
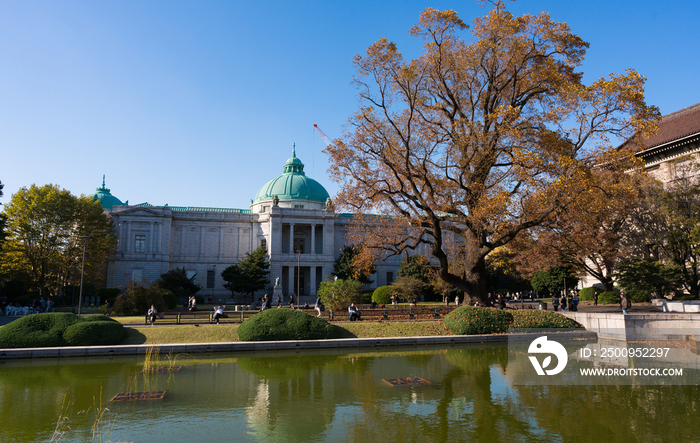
292 184
106 199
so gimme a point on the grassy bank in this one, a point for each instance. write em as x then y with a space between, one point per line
226 333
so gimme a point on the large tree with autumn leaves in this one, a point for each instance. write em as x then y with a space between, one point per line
478 140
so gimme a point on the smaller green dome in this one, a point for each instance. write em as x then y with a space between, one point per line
107 200
293 184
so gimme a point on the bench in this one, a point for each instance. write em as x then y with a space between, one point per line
411 313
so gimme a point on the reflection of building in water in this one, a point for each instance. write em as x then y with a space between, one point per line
290 216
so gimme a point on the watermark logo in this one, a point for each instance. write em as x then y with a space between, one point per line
543 346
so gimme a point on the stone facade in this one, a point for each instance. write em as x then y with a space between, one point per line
302 235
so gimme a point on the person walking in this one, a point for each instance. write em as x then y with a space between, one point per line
555 303
574 302
563 303
318 306
625 304
595 299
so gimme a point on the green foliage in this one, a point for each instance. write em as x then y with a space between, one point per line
470 320
169 298
649 276
552 280
108 294
49 330
98 317
138 298
94 333
382 295
250 274
608 298
45 230
415 266
536 319
408 288
637 296
344 267
285 324
586 294
339 294
176 281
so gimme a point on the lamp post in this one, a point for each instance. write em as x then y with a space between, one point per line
82 273
298 251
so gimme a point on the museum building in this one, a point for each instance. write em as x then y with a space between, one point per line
290 216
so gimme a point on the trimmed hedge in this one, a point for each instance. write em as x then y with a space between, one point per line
470 320
586 294
382 295
608 298
637 296
94 333
48 330
536 319
285 324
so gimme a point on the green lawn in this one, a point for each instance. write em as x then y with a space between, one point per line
228 332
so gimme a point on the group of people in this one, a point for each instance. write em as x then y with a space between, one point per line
571 300
35 306
192 303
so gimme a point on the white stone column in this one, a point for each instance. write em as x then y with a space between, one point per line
160 238
313 238
291 238
312 277
128 237
150 239
292 282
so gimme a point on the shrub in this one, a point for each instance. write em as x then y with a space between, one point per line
108 295
536 319
138 298
470 320
285 324
98 317
94 333
637 296
49 329
338 294
586 294
382 295
608 298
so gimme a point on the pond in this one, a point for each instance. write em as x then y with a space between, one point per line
338 395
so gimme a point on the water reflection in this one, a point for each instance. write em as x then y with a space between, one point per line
340 396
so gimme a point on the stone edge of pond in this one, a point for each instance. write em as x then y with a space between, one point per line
90 351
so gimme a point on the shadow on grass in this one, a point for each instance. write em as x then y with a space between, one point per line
344 333
133 337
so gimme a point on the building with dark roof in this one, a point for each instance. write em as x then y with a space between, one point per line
675 145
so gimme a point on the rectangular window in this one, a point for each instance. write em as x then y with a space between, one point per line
191 274
211 276
263 243
299 246
138 275
389 278
140 243
298 206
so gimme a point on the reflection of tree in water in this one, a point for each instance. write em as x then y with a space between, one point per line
460 407
617 413
25 393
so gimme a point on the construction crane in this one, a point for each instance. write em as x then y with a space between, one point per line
323 136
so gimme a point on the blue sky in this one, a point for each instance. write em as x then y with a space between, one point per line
199 103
